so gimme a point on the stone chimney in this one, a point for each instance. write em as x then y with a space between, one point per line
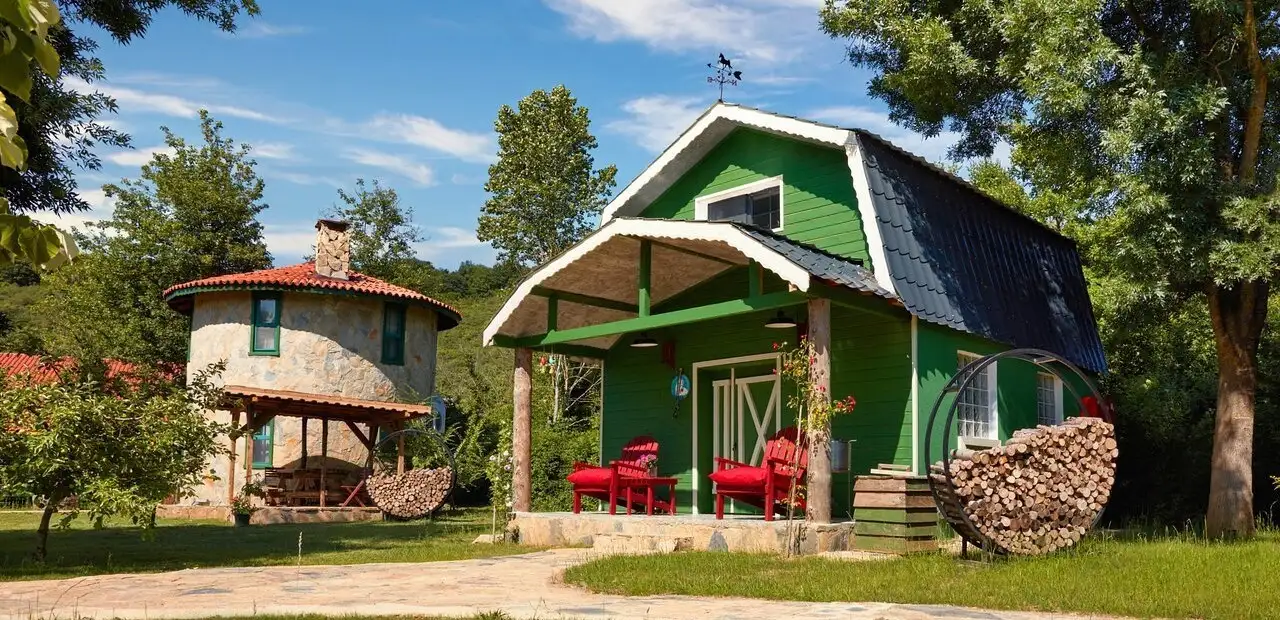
333 249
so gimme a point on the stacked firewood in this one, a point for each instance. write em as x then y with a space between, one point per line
1039 492
415 493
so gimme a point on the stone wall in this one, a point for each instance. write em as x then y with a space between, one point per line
329 344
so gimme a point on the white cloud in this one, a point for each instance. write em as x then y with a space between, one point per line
933 149
403 166
258 29
463 179
430 134
289 241
100 208
137 157
655 121
274 150
453 237
765 30
133 100
302 178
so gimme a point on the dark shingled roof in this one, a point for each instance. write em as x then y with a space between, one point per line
835 269
961 259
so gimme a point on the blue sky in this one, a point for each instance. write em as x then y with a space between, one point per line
406 92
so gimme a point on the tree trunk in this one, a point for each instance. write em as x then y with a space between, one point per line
42 532
1238 313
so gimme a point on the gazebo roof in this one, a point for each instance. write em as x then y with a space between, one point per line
303 277
306 405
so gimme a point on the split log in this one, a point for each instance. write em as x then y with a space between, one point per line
415 493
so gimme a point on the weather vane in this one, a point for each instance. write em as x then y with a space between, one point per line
725 74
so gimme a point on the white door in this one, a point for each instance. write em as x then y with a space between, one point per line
746 412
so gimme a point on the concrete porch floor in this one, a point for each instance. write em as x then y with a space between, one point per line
643 533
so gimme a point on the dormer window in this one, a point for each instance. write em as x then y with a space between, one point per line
758 204
265 337
393 335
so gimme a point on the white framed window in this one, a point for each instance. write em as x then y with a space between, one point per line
1048 399
976 403
758 204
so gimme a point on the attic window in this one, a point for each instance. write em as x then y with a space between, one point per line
758 204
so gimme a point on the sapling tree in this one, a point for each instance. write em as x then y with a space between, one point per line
119 449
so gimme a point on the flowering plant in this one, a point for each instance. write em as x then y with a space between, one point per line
648 461
242 504
811 400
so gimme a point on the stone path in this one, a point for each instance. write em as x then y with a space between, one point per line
524 586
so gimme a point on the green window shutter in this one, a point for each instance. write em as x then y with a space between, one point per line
263 445
393 334
264 337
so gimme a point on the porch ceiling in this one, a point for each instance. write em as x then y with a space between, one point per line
604 269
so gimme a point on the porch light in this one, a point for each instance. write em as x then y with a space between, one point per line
781 321
643 341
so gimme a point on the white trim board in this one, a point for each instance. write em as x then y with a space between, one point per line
867 213
723 232
915 396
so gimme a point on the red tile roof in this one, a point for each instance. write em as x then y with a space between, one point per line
304 277
290 403
47 370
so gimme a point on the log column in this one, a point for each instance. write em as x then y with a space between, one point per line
231 458
819 476
522 431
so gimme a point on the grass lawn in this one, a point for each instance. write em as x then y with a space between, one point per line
177 544
1170 577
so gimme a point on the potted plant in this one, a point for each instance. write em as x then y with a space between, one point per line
650 463
242 505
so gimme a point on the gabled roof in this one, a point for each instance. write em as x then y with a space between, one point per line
603 266
303 277
954 255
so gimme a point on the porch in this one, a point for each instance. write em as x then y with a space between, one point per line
683 532
663 301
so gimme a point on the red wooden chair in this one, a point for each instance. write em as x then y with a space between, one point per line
767 485
605 483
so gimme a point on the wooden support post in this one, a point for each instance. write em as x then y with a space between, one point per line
250 429
324 459
819 477
303 460
646 259
400 460
522 431
231 457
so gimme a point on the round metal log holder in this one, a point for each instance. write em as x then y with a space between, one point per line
949 503
415 434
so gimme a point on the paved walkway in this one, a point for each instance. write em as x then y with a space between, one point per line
524 586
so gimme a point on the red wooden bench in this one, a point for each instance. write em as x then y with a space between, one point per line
767 485
609 484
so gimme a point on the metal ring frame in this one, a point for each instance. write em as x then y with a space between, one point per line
428 432
1045 360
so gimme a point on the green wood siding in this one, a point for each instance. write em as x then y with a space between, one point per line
870 359
818 201
1015 384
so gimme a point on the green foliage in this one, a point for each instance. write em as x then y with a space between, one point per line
25 27
21 324
555 448
242 503
382 230
192 215
545 190
118 451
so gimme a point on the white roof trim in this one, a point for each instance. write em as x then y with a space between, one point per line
867 212
660 229
625 202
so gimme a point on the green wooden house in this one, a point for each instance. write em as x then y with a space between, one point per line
754 228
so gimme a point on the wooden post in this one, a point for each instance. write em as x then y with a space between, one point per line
642 295
250 429
324 458
303 460
522 431
231 457
819 477
400 460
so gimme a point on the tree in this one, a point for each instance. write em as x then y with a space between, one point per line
1153 119
119 451
382 230
192 215
545 188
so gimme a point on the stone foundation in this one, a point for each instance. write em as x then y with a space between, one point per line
273 515
646 534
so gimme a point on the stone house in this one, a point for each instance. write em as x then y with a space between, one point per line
314 344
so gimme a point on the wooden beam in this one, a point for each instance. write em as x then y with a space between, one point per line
324 459
860 301
248 446
355 430
401 464
231 458
522 431
553 313
695 253
665 319
646 261
755 279
304 443
586 300
818 483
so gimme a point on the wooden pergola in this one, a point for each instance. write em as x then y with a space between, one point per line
260 405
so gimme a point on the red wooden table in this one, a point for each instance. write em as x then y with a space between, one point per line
649 484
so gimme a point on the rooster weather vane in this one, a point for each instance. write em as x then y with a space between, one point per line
725 74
